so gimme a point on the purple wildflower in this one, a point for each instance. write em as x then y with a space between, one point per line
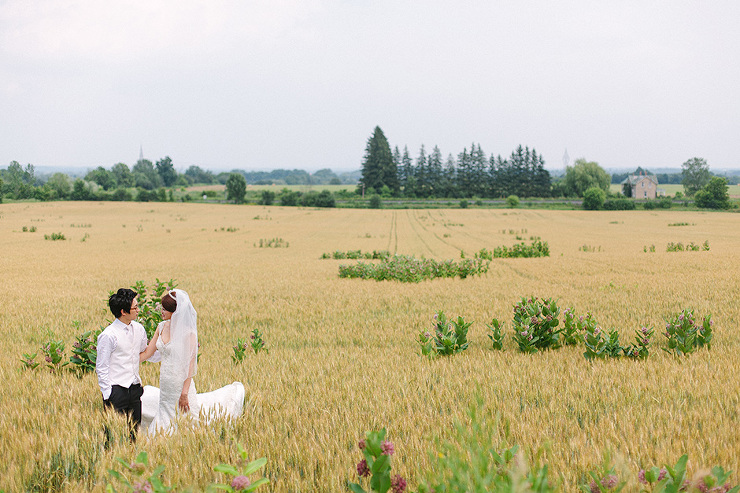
662 474
362 469
594 487
387 448
609 482
143 487
240 483
641 476
645 330
398 484
362 444
680 317
646 341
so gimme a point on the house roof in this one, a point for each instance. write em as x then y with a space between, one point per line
635 179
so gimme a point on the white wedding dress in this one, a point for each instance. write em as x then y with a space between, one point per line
160 406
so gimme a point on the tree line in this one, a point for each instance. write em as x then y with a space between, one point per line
145 181
469 174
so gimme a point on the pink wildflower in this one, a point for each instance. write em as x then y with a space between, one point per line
662 474
143 487
387 448
362 444
240 483
609 482
641 476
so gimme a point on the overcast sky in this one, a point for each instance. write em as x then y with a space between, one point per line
301 83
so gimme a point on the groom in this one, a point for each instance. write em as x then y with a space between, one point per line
117 364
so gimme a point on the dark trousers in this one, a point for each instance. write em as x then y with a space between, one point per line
126 401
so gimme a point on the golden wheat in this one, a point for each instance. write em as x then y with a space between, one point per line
343 357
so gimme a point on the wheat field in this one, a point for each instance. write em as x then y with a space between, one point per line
343 356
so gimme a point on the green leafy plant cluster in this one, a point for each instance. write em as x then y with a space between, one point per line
149 314
257 343
538 248
25 229
689 247
272 243
84 351
84 354
406 268
138 476
674 479
376 465
497 336
55 237
357 254
535 322
685 334
445 338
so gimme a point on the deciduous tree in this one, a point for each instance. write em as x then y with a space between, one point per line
695 174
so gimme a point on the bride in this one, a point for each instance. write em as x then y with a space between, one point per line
176 339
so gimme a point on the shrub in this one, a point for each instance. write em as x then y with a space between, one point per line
376 464
267 197
240 351
447 338
534 324
149 315
685 335
594 198
357 254
538 248
512 201
619 205
54 355
375 202
463 204
257 343
318 199
289 198
84 351
496 336
406 268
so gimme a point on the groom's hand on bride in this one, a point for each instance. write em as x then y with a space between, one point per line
183 403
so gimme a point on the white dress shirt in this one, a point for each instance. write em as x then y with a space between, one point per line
118 350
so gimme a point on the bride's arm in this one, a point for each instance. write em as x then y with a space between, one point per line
183 402
150 348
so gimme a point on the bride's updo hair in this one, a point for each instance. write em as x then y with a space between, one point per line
169 302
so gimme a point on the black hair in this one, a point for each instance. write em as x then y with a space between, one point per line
121 301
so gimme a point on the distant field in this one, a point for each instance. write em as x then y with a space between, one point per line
670 190
343 354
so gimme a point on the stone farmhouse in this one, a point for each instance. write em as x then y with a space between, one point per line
644 186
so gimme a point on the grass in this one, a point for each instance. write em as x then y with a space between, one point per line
343 355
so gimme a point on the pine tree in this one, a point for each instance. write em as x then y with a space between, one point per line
434 173
407 166
448 182
464 173
378 168
420 174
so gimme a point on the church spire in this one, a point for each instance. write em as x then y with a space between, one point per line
141 153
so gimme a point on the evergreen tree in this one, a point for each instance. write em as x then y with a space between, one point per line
479 181
420 174
434 172
464 173
407 165
448 178
399 168
378 168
